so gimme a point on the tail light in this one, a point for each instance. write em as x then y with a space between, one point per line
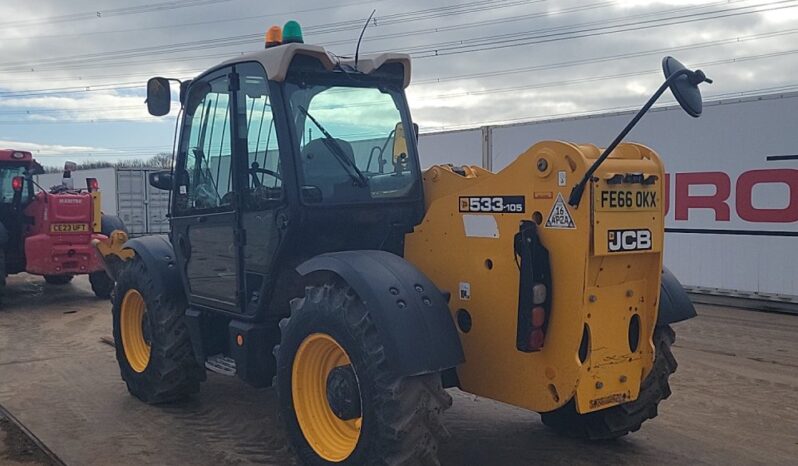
534 295
17 182
92 184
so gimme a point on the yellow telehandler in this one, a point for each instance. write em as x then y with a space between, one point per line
310 252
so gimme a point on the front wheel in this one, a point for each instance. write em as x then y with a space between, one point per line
153 348
58 279
340 399
618 421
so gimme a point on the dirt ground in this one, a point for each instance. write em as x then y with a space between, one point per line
735 399
16 448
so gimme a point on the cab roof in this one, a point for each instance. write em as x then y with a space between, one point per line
277 60
11 155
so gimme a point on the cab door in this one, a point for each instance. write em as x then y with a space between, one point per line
205 224
264 209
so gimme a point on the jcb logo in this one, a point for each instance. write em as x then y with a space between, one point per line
629 240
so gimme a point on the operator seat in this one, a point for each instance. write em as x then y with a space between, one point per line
322 168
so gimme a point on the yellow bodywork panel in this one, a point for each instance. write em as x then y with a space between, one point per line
96 215
465 244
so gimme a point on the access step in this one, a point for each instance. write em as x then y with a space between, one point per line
221 364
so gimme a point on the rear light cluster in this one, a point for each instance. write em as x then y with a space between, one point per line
534 296
17 182
537 318
92 184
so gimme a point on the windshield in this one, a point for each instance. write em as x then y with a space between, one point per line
7 174
352 142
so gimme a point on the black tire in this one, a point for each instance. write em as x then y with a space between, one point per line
171 373
58 279
400 415
620 420
109 223
101 284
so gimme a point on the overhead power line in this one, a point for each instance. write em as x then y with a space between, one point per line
134 85
174 26
467 76
247 39
111 12
493 42
443 96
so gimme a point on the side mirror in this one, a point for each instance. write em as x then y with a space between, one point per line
159 96
161 180
685 86
35 168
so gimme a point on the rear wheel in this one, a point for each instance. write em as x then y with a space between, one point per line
619 420
339 398
101 284
58 279
152 342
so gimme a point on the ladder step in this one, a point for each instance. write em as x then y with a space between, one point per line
221 364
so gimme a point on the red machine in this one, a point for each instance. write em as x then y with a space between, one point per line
49 233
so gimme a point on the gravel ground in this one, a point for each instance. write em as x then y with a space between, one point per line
735 399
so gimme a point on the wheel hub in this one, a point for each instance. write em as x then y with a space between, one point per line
326 397
343 394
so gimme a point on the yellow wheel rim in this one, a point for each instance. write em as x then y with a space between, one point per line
332 438
137 348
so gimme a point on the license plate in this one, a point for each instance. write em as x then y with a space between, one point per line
626 199
69 228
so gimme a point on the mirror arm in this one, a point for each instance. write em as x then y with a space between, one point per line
579 189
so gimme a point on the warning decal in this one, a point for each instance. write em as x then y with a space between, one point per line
559 216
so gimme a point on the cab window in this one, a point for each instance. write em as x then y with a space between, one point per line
352 142
264 176
205 178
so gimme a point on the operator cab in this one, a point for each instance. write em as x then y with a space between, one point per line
276 146
15 167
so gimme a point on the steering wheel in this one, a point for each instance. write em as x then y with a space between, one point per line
255 169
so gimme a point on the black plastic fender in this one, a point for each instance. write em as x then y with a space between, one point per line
410 312
674 303
159 256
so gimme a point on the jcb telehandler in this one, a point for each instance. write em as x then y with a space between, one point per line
310 252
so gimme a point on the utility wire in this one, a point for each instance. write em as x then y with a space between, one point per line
480 92
111 12
431 81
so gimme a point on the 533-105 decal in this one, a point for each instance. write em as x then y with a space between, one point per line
493 204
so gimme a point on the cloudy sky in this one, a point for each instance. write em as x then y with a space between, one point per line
72 73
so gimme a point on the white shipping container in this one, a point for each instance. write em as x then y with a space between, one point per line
142 207
732 219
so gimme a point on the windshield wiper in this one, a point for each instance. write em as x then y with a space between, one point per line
332 144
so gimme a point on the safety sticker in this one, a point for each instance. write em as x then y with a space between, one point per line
562 178
559 216
465 291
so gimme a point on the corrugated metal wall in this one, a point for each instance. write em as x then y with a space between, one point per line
142 207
